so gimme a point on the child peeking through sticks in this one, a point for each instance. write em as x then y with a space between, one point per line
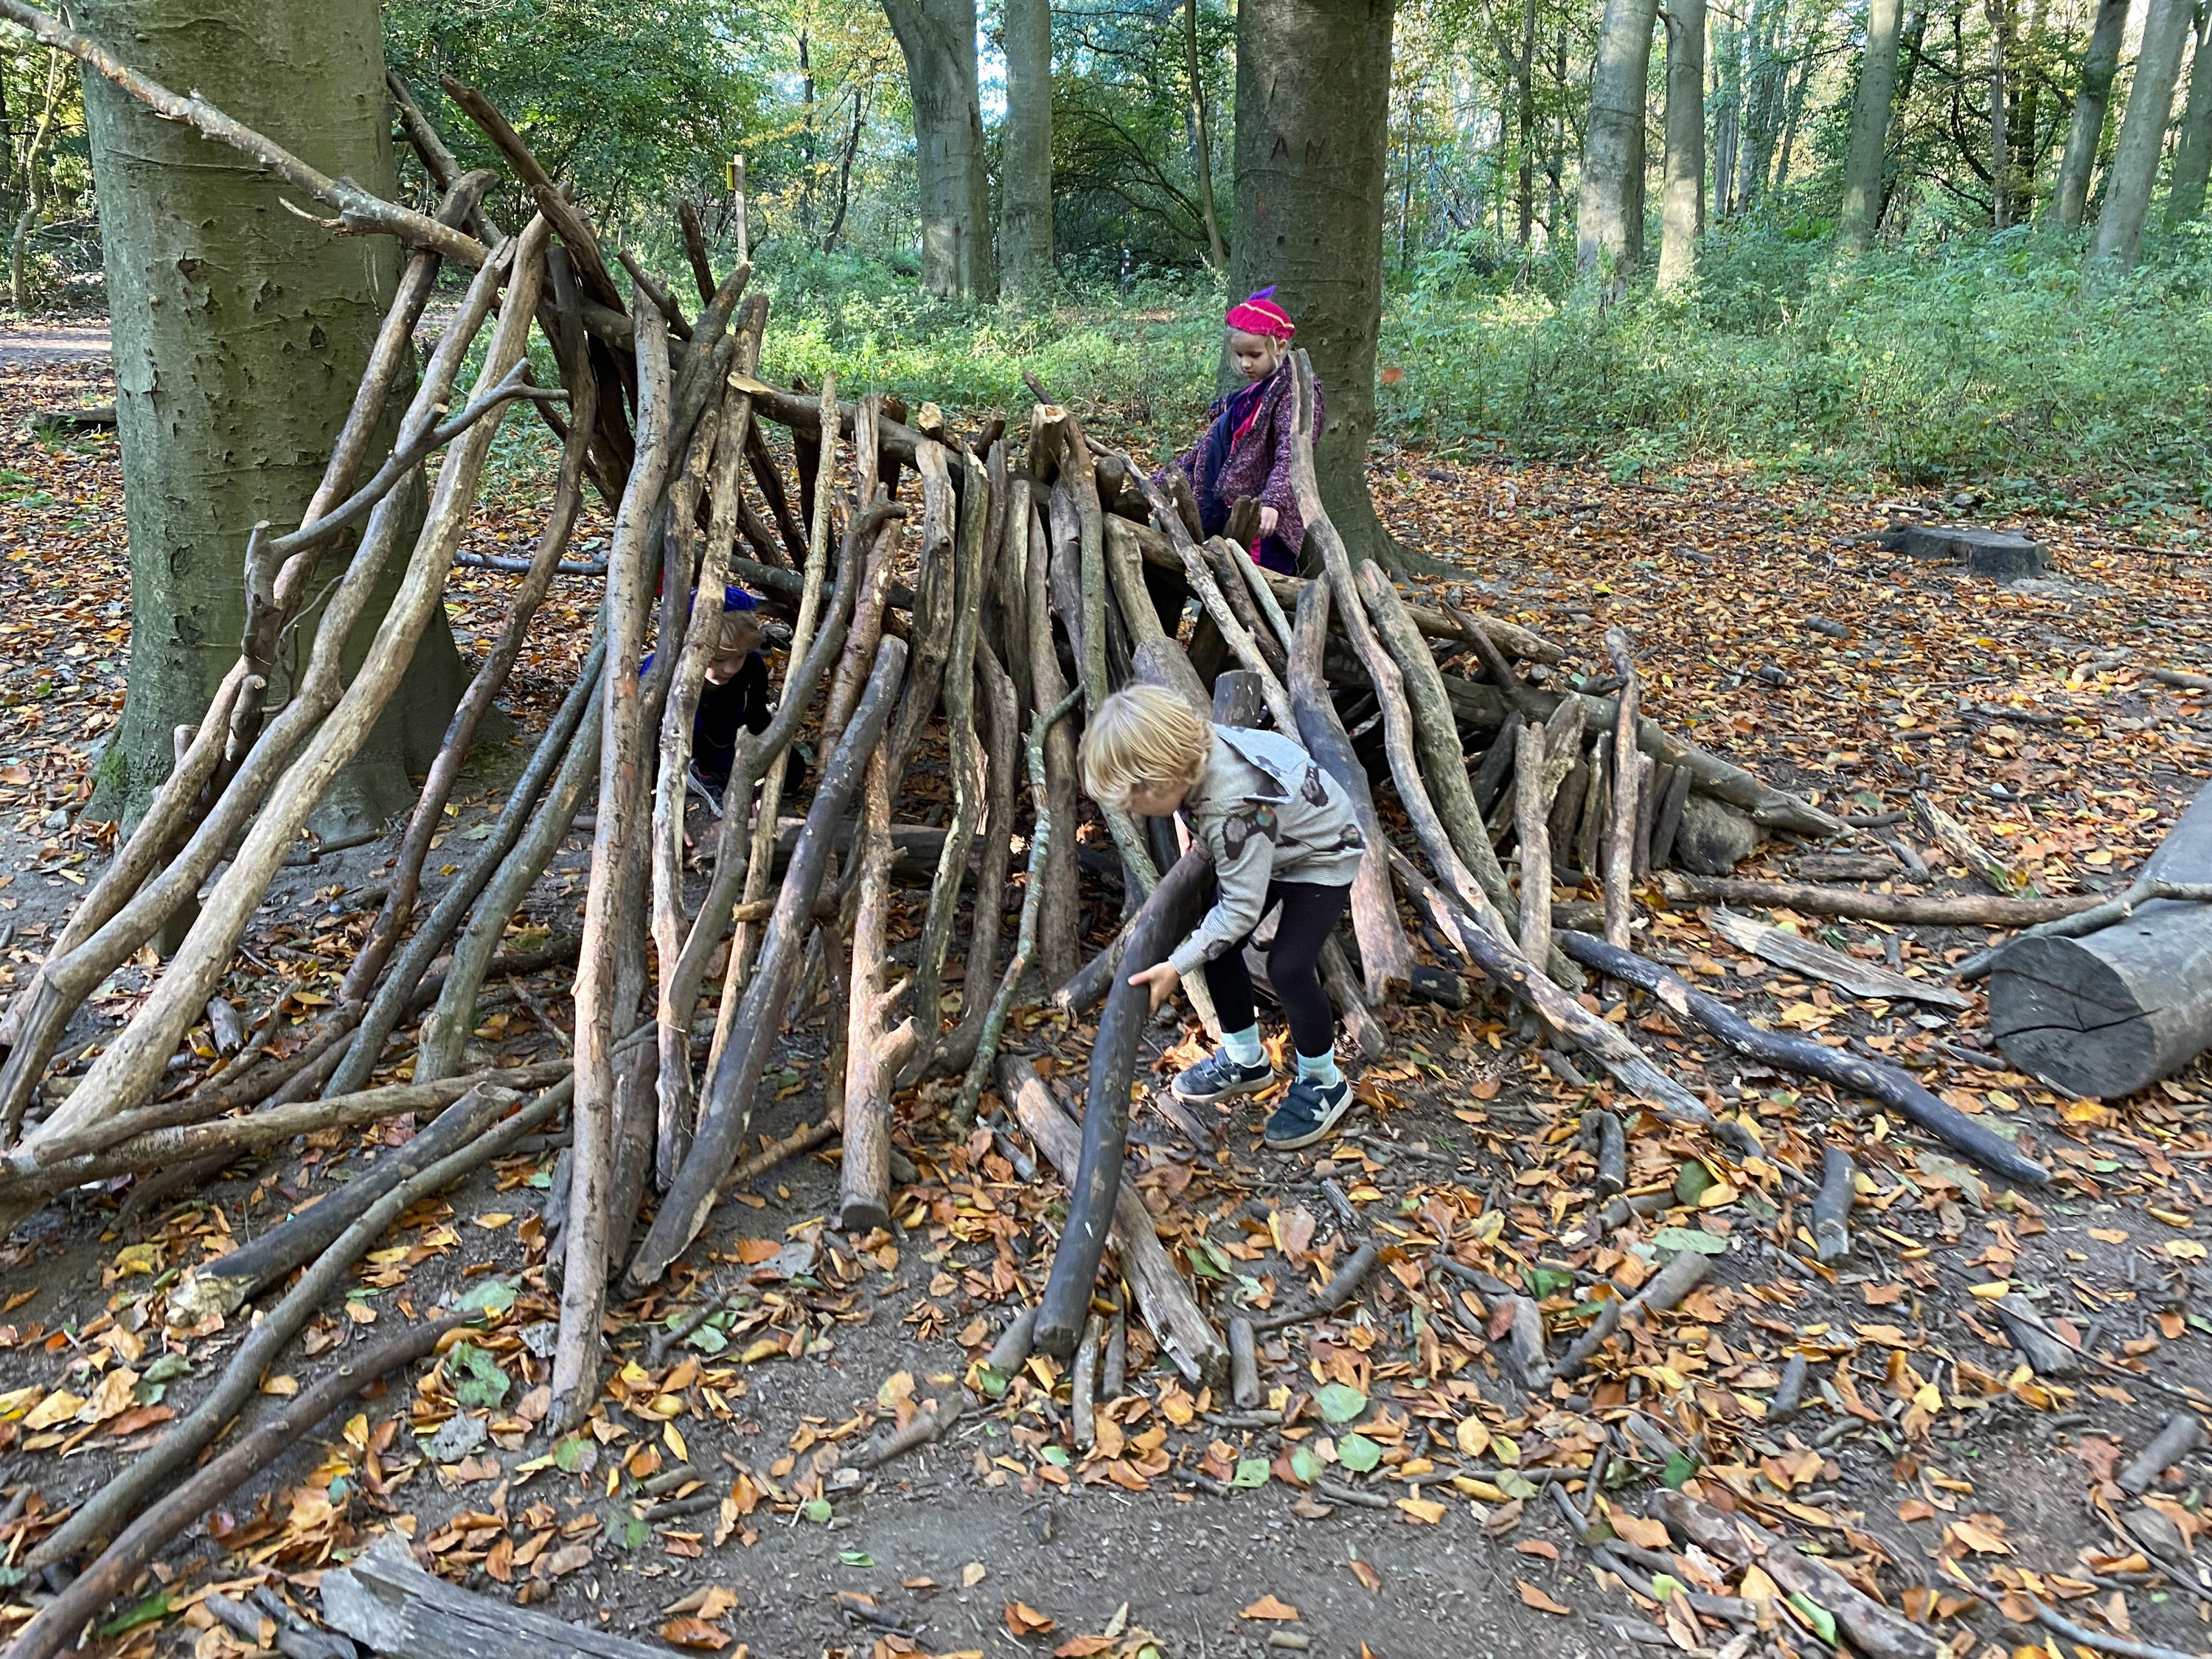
1282 833
734 696
1246 450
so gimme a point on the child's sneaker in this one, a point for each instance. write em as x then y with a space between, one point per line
1218 1077
1307 1113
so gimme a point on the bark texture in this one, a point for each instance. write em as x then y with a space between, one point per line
1313 90
2086 132
1870 106
241 330
2143 135
2193 156
1609 213
1683 202
1025 150
938 38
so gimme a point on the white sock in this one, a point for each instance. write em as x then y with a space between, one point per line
1243 1047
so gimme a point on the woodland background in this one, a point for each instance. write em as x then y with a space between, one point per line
1978 338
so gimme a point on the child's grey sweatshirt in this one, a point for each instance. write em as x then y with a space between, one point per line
1267 814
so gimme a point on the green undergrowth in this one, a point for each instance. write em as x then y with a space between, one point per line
1989 363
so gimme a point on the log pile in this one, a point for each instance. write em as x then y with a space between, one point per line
958 603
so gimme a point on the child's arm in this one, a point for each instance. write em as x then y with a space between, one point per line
1243 847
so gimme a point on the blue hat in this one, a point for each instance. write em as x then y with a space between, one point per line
735 597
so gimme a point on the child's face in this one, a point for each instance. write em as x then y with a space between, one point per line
1257 356
723 669
1158 800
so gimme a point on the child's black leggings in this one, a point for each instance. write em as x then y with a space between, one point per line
1310 914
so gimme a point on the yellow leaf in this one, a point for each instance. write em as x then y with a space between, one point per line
1996 1289
973 1574
1472 1436
493 1220
57 1408
281 1385
675 1442
2108 1235
1639 1530
1424 1511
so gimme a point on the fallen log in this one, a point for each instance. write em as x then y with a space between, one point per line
387 1603
1889 1085
874 1049
2111 1012
1928 910
1803 955
1166 917
1169 1310
56 1626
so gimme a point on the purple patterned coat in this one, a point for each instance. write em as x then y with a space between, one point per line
1258 465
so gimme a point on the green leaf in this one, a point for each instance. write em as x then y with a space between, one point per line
1548 1281
817 1510
1689 1238
1678 1469
568 1454
1692 1183
856 1557
1516 1486
1306 1464
707 1341
1202 1263
1055 1455
1823 1621
1664 1584
1250 1472
1358 1453
489 1296
477 1378
1340 1402
155 1606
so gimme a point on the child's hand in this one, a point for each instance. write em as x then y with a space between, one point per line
1162 979
1268 519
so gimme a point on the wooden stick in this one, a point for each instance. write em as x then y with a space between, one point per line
874 1054
1059 932
1342 1286
929 1424
1531 815
1083 1386
609 904
1516 976
1166 915
1163 1299
2117 908
1631 765
1947 833
1933 910
186 1438
1384 953
1816 961
135 1059
56 1626
726 1111
971 578
1831 1206
1888 1083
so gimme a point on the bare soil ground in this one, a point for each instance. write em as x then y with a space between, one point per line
1928 1463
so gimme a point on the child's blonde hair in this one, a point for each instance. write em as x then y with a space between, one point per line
736 633
1142 737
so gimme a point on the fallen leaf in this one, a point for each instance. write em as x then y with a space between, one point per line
1268 1608
1025 1621
693 1633
1533 1597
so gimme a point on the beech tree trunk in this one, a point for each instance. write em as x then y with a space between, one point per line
2092 100
2143 135
1313 101
1025 150
1682 202
938 39
1609 212
1870 110
2192 157
240 332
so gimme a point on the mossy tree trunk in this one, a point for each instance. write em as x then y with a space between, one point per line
1682 200
1609 212
2192 156
2084 132
240 332
1870 142
1313 103
2143 134
1026 150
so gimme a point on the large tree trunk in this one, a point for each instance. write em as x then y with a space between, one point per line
938 38
1609 213
241 330
2143 134
1201 137
1313 101
2091 100
1025 150
2192 157
1727 114
1870 108
1524 81
1682 202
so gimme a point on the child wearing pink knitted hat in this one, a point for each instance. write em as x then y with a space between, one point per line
1246 450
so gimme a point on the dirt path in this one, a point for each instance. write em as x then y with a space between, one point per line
52 342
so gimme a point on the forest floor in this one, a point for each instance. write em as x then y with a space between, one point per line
1928 1462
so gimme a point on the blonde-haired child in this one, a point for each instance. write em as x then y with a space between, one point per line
1282 832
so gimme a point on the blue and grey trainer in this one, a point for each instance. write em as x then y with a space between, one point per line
1307 1113
1218 1077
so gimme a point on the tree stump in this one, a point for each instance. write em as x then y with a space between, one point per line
2002 555
2108 1013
